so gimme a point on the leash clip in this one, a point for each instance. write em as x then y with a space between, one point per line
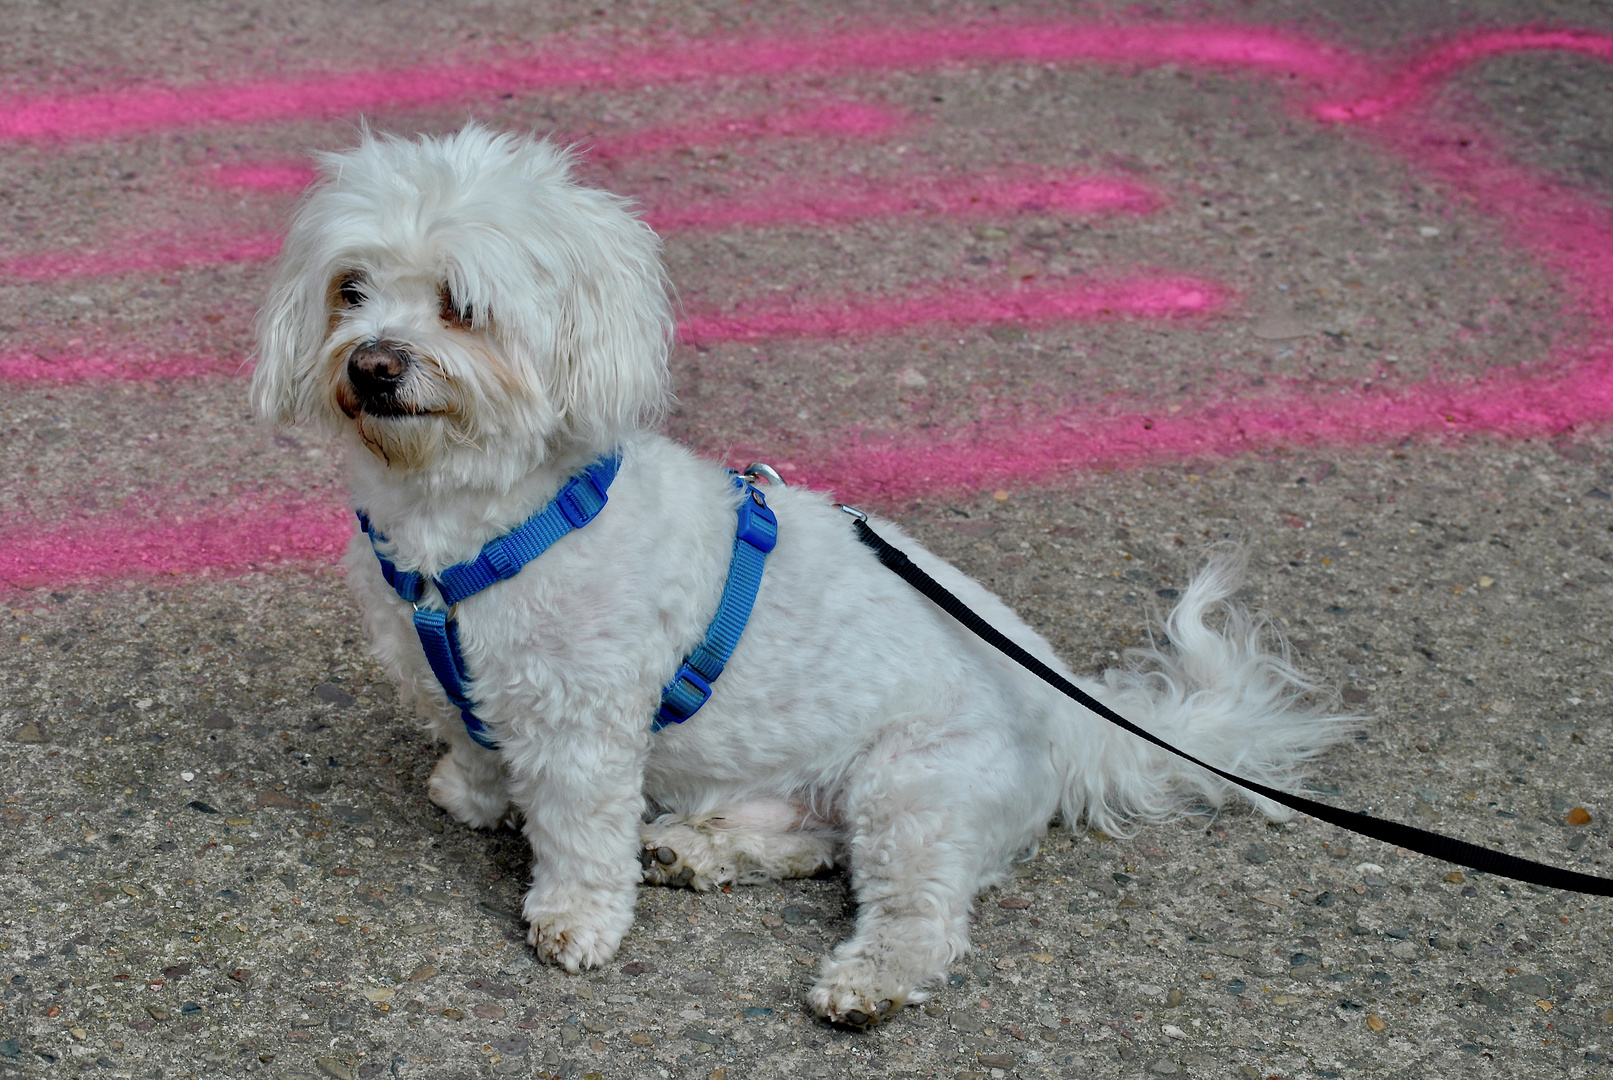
853 511
761 470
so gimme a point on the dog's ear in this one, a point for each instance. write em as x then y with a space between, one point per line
615 325
292 327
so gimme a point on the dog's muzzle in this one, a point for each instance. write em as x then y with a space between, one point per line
377 370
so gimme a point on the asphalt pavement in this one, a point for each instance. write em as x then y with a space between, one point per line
1073 292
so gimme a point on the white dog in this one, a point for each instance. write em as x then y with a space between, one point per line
480 327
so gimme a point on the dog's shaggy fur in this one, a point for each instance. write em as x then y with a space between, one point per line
478 326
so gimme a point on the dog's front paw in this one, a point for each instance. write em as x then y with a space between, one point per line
576 938
849 993
475 796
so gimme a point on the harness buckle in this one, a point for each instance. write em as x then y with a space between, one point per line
575 504
499 559
758 527
683 696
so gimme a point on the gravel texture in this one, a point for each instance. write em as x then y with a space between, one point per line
217 855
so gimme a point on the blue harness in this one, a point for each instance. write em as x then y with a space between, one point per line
578 503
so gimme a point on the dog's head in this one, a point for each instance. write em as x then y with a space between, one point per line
465 307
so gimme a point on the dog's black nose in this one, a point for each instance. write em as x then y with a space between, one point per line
376 368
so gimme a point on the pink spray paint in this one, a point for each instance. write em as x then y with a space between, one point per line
846 200
828 202
141 255
192 542
1568 231
841 119
1434 65
942 303
1036 449
1030 304
135 110
65 369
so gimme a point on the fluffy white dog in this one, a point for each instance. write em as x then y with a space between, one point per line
479 327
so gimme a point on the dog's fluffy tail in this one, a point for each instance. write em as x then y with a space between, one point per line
1226 694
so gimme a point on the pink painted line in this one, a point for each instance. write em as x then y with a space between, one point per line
1037 304
239 539
846 119
1570 232
134 110
1566 229
1030 304
822 203
839 119
846 200
272 176
197 542
65 369
1439 63
141 255
1029 450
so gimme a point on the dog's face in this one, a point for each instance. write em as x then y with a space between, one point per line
464 308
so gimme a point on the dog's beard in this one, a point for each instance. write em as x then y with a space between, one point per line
461 394
402 442
409 428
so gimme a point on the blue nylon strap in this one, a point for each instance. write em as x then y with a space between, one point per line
503 557
755 536
406 583
578 503
439 637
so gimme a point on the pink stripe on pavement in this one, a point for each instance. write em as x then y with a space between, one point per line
819 203
1030 304
275 176
1436 64
135 110
141 255
847 199
197 542
853 119
1570 232
1029 450
47 366
841 118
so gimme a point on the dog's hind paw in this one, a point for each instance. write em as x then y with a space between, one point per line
715 851
682 865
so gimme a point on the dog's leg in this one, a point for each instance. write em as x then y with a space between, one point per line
929 828
582 801
469 783
762 840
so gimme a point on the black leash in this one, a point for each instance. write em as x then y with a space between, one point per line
1427 843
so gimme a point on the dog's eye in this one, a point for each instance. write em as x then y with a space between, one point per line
451 311
350 290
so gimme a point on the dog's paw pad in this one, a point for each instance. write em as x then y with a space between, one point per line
572 944
856 994
664 866
851 1009
679 856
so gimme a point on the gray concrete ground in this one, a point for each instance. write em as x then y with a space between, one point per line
218 858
